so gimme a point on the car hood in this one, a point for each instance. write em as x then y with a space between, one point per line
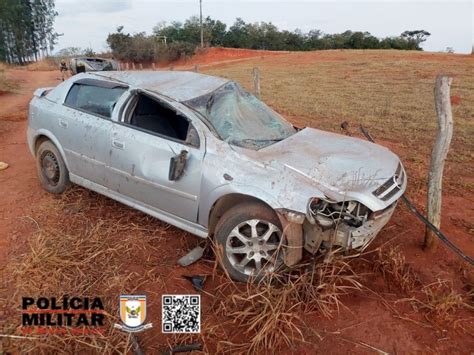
336 164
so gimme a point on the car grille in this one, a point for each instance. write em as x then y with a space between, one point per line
392 186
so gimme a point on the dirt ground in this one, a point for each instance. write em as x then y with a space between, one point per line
383 319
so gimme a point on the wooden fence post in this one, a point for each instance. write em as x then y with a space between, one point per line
153 67
256 82
133 66
127 66
438 156
140 66
196 68
171 67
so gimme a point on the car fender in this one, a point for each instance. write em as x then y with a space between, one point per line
209 200
48 134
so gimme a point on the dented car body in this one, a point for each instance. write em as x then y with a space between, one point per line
202 154
91 64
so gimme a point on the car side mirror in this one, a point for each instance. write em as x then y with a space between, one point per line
192 137
177 165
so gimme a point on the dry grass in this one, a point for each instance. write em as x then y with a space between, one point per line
439 301
46 64
389 92
73 253
6 85
394 269
88 245
3 66
269 312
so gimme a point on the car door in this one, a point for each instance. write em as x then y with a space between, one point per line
85 122
142 154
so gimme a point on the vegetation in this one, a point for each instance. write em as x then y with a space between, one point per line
389 93
169 42
69 52
26 29
85 244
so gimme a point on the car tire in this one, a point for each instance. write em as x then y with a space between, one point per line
240 236
52 170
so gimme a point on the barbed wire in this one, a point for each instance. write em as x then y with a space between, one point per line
421 217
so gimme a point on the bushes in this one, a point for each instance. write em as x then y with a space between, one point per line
182 39
142 48
175 50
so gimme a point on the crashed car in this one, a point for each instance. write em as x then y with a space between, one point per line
91 64
201 153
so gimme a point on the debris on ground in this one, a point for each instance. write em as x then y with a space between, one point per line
185 348
197 281
191 257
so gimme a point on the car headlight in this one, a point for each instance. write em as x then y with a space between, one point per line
328 213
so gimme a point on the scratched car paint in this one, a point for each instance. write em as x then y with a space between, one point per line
201 153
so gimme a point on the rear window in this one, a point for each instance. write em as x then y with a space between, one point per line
94 99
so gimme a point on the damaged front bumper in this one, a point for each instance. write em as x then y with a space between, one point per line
312 237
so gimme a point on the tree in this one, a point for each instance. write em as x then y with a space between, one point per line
415 38
182 39
70 52
26 29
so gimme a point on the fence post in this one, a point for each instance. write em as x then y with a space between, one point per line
127 66
438 156
153 66
256 82
171 67
140 66
196 68
133 65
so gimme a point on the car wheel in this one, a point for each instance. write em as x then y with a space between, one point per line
249 236
52 170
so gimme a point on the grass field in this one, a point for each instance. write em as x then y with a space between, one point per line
393 299
389 92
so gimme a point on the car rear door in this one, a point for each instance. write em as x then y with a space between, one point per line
86 124
140 165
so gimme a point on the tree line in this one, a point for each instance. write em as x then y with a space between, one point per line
26 30
177 39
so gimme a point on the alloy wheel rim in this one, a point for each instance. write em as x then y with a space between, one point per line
252 247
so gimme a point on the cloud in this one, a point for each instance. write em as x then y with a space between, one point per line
73 8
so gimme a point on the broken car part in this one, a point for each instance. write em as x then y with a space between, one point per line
191 257
197 281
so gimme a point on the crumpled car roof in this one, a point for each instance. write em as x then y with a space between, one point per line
177 85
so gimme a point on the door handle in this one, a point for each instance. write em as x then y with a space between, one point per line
63 123
117 144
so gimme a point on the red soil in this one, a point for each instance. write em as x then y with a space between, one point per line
366 319
455 100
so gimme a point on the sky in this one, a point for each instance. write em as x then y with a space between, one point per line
450 22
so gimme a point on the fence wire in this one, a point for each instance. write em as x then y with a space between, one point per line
422 218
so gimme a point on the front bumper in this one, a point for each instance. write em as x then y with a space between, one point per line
301 234
345 236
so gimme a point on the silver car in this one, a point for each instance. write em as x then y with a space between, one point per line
201 153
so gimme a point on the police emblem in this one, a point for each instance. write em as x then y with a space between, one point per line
132 311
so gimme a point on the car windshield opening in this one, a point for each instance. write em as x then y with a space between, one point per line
240 118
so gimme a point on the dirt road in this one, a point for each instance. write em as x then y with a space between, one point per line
19 185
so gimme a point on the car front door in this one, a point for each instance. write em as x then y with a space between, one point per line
150 134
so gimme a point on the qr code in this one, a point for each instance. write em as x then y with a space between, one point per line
181 313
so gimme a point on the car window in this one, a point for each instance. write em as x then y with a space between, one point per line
155 117
94 99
